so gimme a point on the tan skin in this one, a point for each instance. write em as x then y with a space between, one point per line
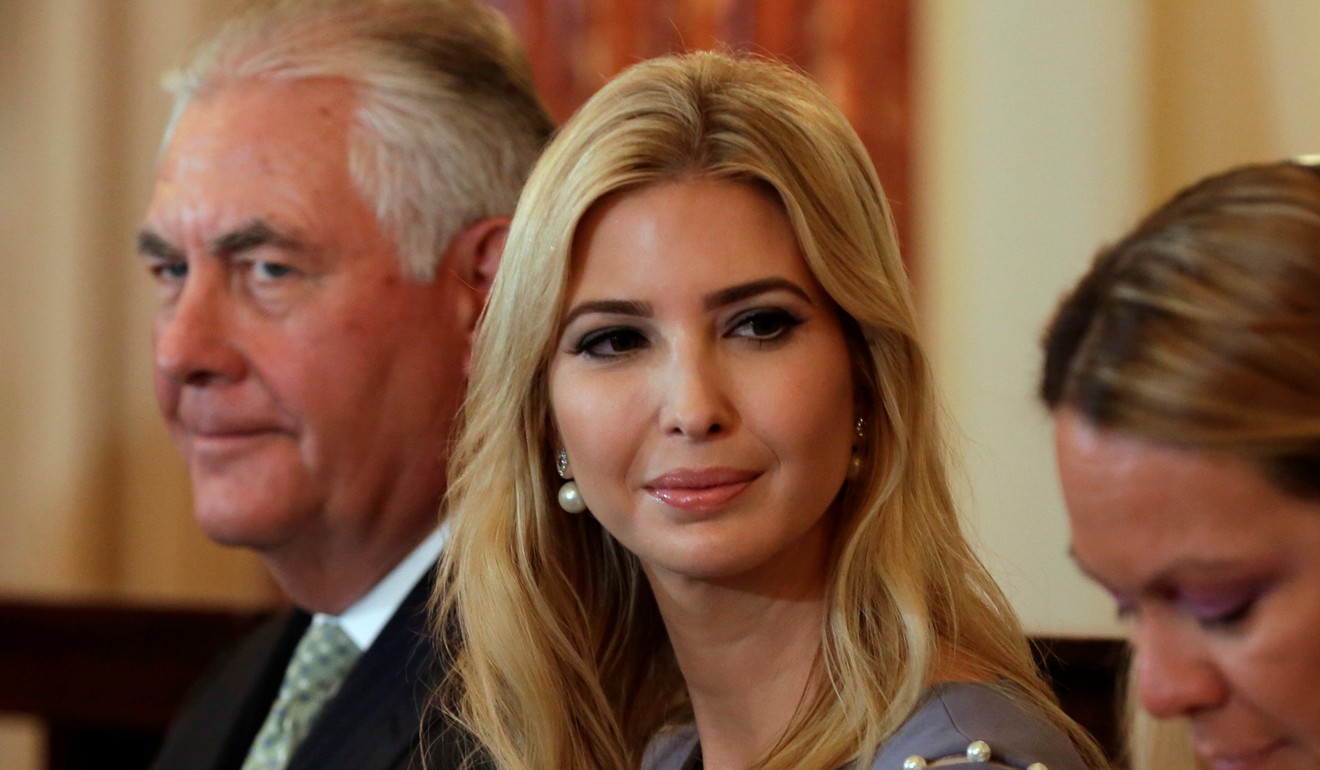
1217 571
308 382
708 416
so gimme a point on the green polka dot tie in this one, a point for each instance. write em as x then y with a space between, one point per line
321 661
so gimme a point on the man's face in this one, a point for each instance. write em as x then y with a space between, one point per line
307 382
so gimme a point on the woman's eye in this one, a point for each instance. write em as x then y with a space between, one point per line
764 325
1127 611
609 343
1222 616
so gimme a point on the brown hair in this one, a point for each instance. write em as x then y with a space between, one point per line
1202 327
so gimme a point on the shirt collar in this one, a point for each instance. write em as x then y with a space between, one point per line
366 618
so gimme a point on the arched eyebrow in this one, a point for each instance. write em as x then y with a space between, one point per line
713 301
611 306
743 291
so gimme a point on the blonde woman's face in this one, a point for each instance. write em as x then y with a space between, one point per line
1218 574
702 386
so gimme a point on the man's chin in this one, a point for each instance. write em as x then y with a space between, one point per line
240 523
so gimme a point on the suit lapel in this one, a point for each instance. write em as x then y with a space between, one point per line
216 726
373 721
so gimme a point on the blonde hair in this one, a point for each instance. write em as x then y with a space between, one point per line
564 661
1202 327
448 123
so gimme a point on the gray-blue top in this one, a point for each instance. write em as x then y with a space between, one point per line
946 727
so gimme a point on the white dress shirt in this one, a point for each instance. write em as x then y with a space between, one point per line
366 618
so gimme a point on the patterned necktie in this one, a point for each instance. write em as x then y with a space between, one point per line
319 664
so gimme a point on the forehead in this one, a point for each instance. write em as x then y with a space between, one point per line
690 234
1138 507
262 148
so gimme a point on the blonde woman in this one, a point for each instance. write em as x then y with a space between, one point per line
1184 373
702 517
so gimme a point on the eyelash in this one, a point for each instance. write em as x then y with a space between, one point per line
1127 611
625 339
1211 620
1226 619
588 345
177 271
168 270
785 322
279 270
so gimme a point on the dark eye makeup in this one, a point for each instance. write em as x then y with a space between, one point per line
609 342
764 324
760 325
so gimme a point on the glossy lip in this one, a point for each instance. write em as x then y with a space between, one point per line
1221 759
699 489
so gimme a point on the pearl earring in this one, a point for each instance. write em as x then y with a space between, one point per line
570 499
855 462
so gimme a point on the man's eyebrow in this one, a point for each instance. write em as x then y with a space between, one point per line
250 235
612 306
742 291
151 244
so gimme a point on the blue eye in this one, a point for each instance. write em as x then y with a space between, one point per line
169 271
609 343
270 271
764 324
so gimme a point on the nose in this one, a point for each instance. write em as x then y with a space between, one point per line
696 402
1174 677
193 337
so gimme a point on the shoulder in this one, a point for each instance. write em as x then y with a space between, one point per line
250 661
977 724
224 709
671 749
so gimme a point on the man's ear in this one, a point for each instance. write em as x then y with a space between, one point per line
474 254
474 257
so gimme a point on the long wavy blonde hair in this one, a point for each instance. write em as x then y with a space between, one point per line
563 660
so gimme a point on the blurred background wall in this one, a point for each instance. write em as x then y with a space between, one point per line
1043 130
1016 136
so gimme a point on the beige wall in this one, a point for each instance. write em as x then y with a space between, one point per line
95 503
1043 130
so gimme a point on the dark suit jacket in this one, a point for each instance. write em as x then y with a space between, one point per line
372 723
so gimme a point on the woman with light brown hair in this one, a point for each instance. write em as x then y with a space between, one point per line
1184 372
701 516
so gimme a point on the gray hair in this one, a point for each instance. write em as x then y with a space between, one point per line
448 123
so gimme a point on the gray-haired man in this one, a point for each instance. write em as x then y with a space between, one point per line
329 210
